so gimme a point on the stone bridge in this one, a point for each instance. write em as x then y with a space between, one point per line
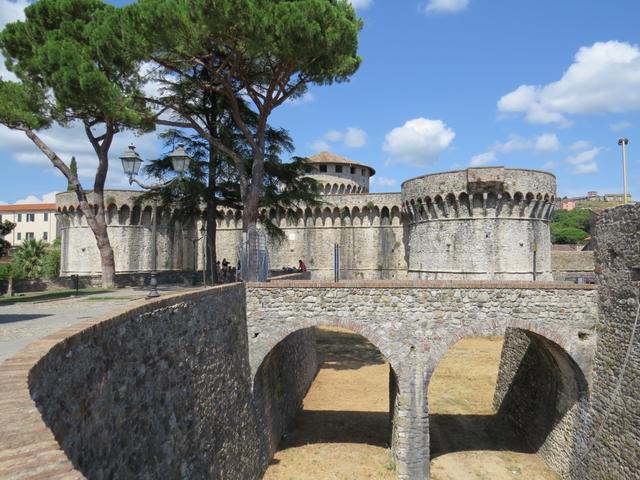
550 340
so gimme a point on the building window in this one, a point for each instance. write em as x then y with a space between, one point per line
362 170
29 236
353 170
338 168
46 217
45 235
18 236
31 217
323 168
19 217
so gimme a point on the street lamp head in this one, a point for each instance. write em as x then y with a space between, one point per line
179 159
131 162
623 141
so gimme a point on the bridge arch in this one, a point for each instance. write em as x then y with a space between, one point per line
261 348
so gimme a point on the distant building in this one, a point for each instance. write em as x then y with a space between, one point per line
591 197
33 220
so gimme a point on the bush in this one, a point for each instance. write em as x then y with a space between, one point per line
570 226
567 235
51 260
29 257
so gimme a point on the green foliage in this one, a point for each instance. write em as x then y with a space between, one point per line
570 226
51 260
73 166
11 271
5 229
312 40
29 257
73 62
567 235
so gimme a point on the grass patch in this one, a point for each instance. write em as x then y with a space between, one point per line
43 296
98 298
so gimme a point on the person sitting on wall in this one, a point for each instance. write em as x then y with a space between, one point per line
225 270
301 266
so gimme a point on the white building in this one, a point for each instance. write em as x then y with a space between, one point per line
33 220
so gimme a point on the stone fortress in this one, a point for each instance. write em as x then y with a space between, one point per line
479 223
146 392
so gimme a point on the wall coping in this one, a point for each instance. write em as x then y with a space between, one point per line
28 448
424 284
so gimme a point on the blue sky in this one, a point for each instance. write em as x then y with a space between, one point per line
444 84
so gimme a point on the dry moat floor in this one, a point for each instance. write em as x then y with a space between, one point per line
343 432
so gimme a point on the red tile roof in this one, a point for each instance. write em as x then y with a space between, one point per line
28 207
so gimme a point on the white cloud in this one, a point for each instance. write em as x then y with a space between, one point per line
384 181
580 145
515 142
355 137
334 136
584 162
306 97
320 146
70 142
550 165
418 142
616 127
351 137
361 4
10 11
604 77
445 6
482 159
547 142
46 198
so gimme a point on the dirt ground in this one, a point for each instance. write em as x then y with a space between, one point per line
343 431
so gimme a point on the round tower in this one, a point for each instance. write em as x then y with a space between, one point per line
480 224
338 175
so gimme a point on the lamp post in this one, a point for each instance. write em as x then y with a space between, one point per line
131 163
203 232
623 142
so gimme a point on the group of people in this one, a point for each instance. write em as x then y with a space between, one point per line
301 268
226 273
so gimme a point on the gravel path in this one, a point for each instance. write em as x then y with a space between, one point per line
22 323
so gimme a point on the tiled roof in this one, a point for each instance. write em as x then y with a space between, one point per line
328 157
28 207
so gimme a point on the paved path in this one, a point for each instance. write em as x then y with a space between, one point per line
22 323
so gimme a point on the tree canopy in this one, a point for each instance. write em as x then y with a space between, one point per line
570 226
74 65
263 52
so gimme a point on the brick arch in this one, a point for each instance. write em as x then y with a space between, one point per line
260 346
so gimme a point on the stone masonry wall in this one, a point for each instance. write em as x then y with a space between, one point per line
543 393
567 266
611 448
165 391
413 324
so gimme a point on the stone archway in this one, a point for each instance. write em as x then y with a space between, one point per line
540 398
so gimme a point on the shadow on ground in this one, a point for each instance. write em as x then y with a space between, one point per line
325 426
461 433
13 318
345 350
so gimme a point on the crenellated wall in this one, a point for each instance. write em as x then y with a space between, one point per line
475 224
368 228
479 223
129 227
